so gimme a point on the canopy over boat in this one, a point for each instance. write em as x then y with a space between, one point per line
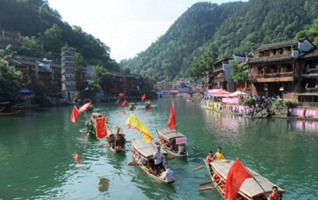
145 149
97 115
250 186
169 134
114 129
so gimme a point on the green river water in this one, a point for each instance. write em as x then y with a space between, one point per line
36 154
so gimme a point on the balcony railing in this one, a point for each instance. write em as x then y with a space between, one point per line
273 75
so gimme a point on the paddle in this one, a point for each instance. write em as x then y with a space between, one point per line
198 168
206 188
133 163
205 183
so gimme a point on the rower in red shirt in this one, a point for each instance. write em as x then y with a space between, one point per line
274 195
209 158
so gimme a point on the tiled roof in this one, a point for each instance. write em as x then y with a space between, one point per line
277 45
311 54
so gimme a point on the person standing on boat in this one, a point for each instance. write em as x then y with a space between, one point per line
274 195
219 155
209 158
158 157
167 175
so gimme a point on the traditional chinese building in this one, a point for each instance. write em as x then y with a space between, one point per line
308 90
38 71
275 68
68 73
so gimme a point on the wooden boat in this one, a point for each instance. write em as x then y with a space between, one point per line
90 124
167 138
145 151
112 133
254 188
131 106
10 113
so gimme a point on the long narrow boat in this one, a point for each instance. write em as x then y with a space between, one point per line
144 152
116 139
10 113
254 188
168 138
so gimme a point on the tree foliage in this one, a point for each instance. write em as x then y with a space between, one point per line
311 33
9 82
103 77
43 33
238 72
199 67
229 28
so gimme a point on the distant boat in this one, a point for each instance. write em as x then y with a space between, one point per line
10 113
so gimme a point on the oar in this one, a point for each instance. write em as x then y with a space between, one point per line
206 188
198 168
205 183
168 159
133 163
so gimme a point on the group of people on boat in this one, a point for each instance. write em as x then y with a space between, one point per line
157 166
161 164
116 141
219 155
172 146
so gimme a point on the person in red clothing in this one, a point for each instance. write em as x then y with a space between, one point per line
274 195
209 158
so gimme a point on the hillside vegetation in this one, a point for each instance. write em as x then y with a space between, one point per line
43 33
225 29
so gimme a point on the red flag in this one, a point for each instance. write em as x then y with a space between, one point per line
235 179
100 127
84 107
143 97
124 103
74 114
121 94
172 117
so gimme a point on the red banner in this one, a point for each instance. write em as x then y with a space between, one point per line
100 127
235 179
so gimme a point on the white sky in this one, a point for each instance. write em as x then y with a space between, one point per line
126 26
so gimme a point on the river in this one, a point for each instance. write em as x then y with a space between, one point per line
36 154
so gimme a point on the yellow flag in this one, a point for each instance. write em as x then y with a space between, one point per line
134 123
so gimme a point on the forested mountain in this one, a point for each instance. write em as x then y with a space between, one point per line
310 32
43 33
174 51
226 29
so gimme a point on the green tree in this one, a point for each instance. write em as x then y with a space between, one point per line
126 71
238 72
9 82
200 67
105 79
79 62
91 90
